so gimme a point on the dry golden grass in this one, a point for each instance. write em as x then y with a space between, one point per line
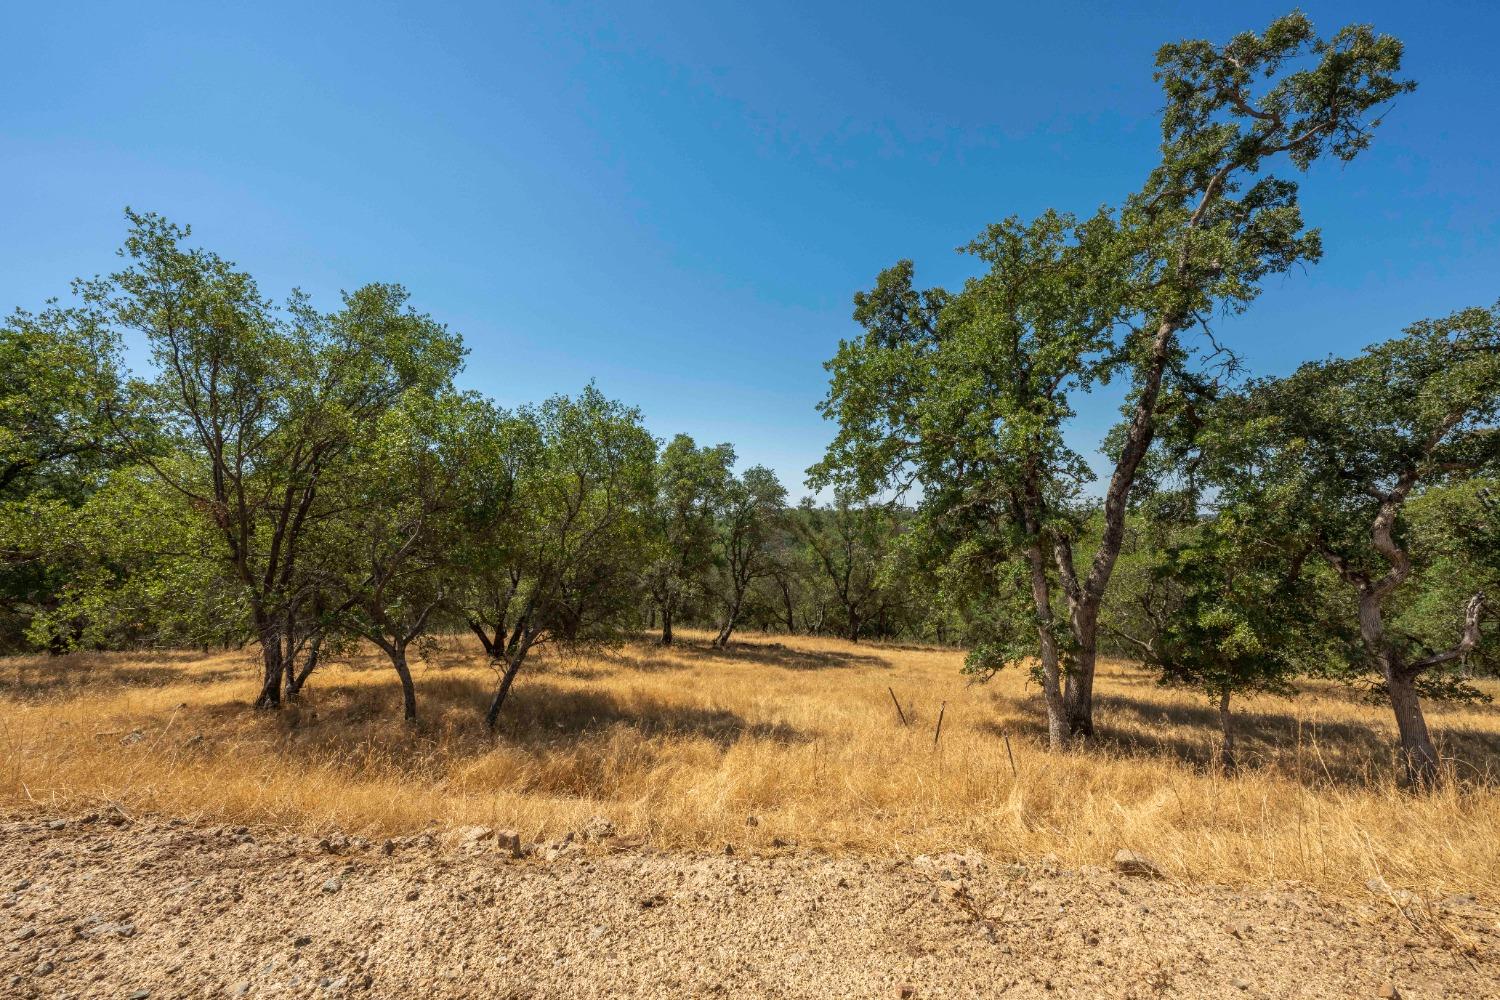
682 746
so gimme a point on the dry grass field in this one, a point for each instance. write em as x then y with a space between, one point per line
777 739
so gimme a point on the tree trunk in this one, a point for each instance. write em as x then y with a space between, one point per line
408 690
1078 698
854 624
270 689
1057 727
1417 752
722 640
1226 727
512 667
1078 693
666 626
294 682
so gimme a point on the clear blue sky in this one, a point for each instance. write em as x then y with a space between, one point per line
679 199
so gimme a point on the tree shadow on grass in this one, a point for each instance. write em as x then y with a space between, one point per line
1332 745
775 654
541 712
1315 753
352 722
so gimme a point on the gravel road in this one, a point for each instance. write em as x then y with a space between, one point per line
155 907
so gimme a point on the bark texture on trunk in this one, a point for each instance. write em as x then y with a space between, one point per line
270 689
408 689
1057 723
1418 754
514 657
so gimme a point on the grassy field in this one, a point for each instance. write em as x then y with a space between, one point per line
790 739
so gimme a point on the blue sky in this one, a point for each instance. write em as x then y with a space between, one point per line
679 200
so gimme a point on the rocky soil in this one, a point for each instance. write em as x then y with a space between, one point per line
152 907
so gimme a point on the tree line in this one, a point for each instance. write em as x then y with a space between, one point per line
303 480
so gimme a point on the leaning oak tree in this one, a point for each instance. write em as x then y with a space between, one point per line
1344 446
1198 239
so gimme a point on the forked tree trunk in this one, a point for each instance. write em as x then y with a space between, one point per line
491 646
721 641
295 681
1086 596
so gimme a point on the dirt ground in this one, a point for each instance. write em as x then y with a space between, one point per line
109 905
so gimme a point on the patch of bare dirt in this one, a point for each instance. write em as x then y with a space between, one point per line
150 907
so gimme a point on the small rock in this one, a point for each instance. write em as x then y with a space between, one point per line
508 842
302 941
906 991
1389 992
1130 863
1239 984
333 885
141 995
597 828
475 836
240 989
43 968
24 934
56 824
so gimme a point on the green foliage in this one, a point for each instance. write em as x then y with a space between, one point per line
563 519
691 485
